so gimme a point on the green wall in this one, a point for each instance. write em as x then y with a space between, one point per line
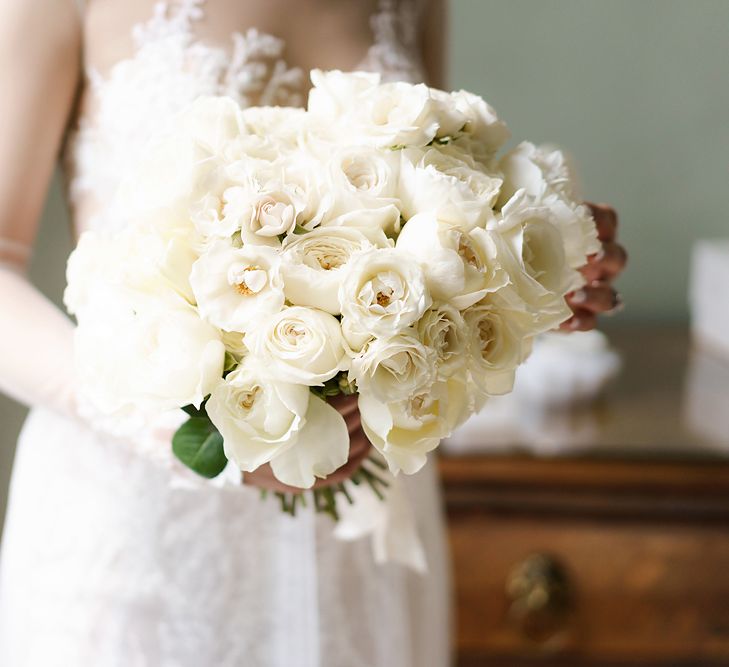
638 92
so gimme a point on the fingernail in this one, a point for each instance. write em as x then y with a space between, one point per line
618 305
574 324
580 296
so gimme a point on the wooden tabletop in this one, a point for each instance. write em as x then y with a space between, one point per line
670 402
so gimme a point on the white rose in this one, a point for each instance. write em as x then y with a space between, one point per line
382 294
363 177
393 369
460 267
159 353
235 287
266 421
300 345
496 347
257 416
377 224
444 181
405 431
313 264
482 126
443 329
262 212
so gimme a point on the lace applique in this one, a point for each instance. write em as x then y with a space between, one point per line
169 68
395 52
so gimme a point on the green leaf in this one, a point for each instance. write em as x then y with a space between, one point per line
199 445
230 362
195 412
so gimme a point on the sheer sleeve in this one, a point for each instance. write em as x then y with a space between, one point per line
39 52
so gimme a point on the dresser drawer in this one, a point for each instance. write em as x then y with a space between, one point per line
629 593
564 574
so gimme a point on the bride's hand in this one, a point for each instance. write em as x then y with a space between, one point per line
359 448
598 295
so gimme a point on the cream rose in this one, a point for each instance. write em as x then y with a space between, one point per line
382 294
394 368
262 212
263 420
443 329
257 416
313 265
300 345
496 347
235 287
405 431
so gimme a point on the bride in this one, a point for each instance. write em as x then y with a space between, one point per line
112 554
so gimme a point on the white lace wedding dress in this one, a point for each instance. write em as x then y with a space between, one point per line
114 557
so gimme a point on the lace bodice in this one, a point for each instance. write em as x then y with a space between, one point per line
170 65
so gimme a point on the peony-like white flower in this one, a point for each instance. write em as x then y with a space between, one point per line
159 352
460 267
313 265
382 294
538 247
300 345
178 167
483 128
541 177
263 420
444 181
443 329
335 93
385 115
133 259
537 171
405 431
394 368
235 287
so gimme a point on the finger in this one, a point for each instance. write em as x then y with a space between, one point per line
606 220
582 320
607 263
596 299
344 404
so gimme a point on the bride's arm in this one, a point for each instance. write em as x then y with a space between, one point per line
39 68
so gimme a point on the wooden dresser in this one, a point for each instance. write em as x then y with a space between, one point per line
616 553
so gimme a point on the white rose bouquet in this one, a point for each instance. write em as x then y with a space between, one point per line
270 258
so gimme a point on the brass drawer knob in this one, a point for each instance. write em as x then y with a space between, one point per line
540 597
